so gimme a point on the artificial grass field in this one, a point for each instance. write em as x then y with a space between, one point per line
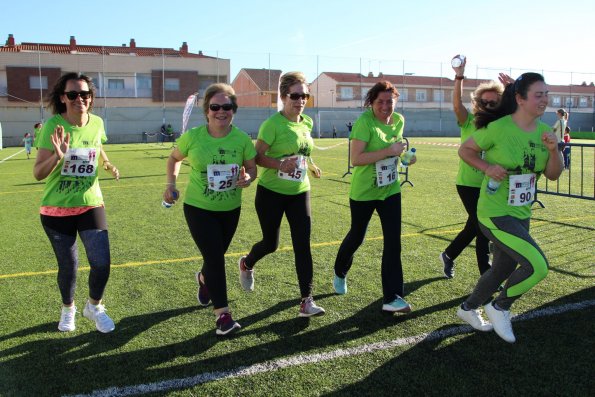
162 335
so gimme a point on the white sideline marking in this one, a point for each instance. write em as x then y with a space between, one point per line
302 359
3 160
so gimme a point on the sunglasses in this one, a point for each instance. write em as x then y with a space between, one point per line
485 103
216 107
72 95
295 96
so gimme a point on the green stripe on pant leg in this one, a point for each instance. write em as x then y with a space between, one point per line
527 251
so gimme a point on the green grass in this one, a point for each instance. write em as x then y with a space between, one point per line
162 334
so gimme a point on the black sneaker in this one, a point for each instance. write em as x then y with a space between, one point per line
449 265
203 293
226 325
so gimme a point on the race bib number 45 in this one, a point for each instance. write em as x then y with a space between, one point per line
222 177
299 173
386 171
80 162
521 190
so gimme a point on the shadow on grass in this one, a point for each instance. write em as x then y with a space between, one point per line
552 356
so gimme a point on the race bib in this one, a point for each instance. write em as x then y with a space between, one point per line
521 190
222 177
299 173
80 162
386 171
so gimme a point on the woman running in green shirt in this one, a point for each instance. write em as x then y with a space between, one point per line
376 144
70 144
222 163
518 149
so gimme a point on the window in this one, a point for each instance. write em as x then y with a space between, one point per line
420 95
556 100
569 102
346 93
172 84
365 92
36 82
583 102
404 95
438 95
115 84
143 81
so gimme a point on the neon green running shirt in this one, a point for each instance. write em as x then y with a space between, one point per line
202 150
467 175
519 152
285 138
74 191
377 136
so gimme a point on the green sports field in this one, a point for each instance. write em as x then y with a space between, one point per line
165 343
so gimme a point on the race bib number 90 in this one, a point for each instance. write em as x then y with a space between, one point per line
386 171
299 173
80 162
222 177
521 190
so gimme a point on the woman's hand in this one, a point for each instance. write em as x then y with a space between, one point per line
111 168
316 172
288 164
60 142
505 79
550 141
396 149
244 179
171 194
496 172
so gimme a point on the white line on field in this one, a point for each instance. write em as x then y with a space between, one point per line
3 160
302 359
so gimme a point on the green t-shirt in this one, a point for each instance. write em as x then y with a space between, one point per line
67 190
36 134
467 175
377 135
285 138
517 151
202 150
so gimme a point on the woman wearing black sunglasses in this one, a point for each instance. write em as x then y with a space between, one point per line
485 97
70 145
284 146
221 158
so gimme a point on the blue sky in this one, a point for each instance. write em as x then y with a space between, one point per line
391 36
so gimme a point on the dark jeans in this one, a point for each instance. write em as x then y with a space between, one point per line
212 232
270 207
389 211
92 229
469 196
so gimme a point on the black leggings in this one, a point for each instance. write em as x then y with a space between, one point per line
469 196
389 211
270 207
212 232
92 228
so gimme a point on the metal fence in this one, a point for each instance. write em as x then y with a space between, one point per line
578 180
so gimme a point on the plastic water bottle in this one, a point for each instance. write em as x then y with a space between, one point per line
165 204
492 186
406 157
457 61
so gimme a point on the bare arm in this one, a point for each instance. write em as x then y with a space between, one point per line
47 160
360 157
555 163
457 99
171 172
470 153
247 173
109 166
268 162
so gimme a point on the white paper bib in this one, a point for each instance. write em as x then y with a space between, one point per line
80 162
222 177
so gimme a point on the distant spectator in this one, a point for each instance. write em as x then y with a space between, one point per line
560 124
566 152
349 127
28 141
334 131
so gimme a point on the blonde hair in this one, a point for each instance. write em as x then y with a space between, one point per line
489 86
289 79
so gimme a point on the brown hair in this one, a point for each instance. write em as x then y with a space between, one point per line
490 86
54 101
381 86
289 79
219 88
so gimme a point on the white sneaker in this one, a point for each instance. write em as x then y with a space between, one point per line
66 323
309 308
97 313
474 319
246 275
501 321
